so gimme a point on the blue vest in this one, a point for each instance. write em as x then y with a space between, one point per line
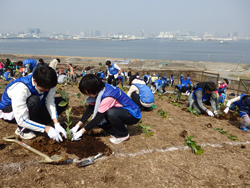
121 97
146 95
5 100
239 103
112 70
5 75
32 62
160 82
148 78
102 75
204 96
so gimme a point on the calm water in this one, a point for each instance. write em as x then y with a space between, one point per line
137 49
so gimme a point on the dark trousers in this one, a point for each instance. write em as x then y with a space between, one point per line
110 78
136 98
38 113
116 118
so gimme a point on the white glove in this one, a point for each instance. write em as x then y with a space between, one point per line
215 112
210 113
74 129
53 134
77 136
59 129
226 110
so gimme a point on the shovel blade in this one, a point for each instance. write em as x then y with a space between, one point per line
84 163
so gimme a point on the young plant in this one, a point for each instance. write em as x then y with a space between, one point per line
161 97
64 96
68 123
233 137
145 129
236 112
192 111
192 144
221 131
162 113
81 96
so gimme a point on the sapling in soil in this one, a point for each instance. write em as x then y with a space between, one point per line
192 111
68 123
162 113
145 129
192 144
64 96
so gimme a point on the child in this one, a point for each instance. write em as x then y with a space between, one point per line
7 75
172 80
111 109
223 86
62 79
140 93
30 102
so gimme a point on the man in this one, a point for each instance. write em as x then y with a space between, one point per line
203 93
113 71
54 63
40 63
30 102
29 64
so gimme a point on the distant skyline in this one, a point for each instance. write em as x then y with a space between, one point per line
129 17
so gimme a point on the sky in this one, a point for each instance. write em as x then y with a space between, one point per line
129 17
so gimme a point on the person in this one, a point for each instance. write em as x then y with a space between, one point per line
129 74
1 68
172 80
7 75
164 84
30 102
223 86
219 98
54 63
101 75
29 64
40 63
188 77
140 93
184 87
6 64
62 79
232 103
112 110
113 71
147 79
71 73
137 75
120 80
157 85
203 94
83 72
244 112
181 77
126 75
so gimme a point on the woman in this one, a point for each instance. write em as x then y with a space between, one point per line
140 93
111 109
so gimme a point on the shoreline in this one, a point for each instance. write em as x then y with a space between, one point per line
223 68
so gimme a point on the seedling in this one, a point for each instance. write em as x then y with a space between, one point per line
192 144
79 96
68 123
162 113
160 98
221 131
145 129
192 111
64 96
236 112
233 137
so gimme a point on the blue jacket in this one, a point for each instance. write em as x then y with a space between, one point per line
5 100
145 94
6 76
204 96
112 70
32 62
101 75
121 97
245 107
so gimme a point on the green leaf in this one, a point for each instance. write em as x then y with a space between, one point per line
192 136
63 103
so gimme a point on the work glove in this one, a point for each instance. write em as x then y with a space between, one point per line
77 136
215 112
74 129
210 113
226 110
53 134
60 129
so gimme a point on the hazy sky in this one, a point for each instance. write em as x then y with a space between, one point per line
129 16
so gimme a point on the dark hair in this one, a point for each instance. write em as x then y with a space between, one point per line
19 63
41 60
187 74
70 64
58 60
132 77
226 80
244 98
210 86
184 89
91 84
45 77
108 62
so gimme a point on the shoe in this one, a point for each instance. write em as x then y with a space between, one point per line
244 129
25 133
165 92
115 140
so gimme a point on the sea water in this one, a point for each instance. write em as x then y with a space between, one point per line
157 49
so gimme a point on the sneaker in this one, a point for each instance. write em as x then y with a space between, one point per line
115 140
25 133
244 129
165 92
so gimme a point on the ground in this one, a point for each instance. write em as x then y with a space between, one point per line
158 161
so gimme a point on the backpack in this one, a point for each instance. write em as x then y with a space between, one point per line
199 85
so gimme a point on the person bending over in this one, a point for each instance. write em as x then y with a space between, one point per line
140 93
111 109
30 102
203 94
113 71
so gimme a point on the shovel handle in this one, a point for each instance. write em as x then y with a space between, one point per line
97 156
13 138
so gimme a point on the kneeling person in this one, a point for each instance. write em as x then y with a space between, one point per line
30 102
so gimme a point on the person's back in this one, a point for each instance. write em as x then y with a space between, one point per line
54 63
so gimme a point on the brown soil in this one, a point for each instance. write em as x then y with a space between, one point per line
159 161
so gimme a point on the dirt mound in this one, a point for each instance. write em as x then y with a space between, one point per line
86 147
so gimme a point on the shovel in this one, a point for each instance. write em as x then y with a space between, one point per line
88 162
55 159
